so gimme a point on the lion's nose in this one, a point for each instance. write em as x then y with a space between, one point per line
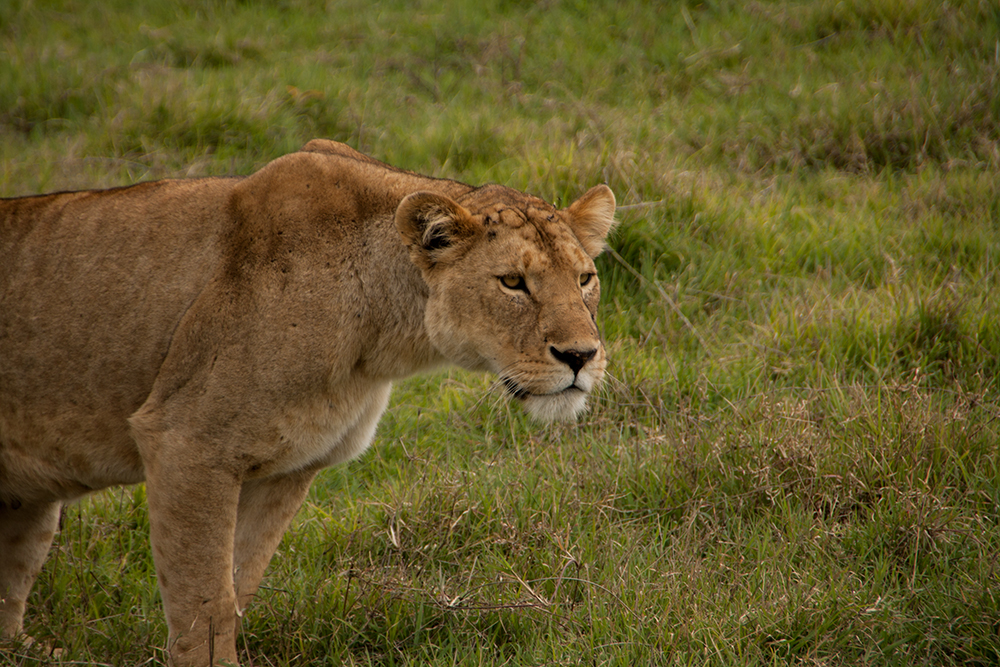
575 359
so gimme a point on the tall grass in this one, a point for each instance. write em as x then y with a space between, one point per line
794 459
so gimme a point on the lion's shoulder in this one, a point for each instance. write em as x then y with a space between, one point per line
330 180
328 147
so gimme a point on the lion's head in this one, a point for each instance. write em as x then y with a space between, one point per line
513 288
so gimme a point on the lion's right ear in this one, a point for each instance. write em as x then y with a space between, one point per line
431 226
592 217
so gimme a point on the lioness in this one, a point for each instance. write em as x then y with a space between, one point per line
223 339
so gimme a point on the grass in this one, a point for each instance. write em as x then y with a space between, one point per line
794 459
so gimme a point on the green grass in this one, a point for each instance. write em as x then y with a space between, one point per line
794 459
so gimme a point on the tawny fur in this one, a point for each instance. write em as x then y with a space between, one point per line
224 339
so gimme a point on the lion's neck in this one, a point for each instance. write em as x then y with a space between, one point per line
395 296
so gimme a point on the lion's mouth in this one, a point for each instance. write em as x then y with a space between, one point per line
515 390
520 393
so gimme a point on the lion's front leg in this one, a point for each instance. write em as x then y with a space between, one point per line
265 510
192 513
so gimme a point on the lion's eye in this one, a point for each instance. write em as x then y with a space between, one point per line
514 282
585 279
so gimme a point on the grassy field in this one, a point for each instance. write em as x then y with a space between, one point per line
795 458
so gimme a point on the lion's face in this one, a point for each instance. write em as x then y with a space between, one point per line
513 288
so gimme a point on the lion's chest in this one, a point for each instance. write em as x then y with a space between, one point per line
325 430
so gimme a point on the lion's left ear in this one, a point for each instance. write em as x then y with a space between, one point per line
592 216
431 225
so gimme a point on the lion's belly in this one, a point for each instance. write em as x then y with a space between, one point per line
43 465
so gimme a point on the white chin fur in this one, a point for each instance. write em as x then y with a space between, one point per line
563 406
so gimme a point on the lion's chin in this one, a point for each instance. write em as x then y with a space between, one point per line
563 406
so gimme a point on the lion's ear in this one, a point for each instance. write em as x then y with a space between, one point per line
592 216
431 225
